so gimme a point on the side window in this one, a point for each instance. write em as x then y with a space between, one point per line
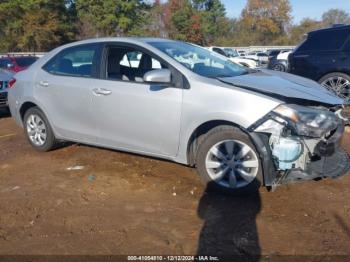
75 61
129 64
325 41
131 59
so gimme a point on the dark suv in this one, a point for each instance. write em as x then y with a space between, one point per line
325 57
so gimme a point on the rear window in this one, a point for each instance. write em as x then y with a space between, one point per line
274 52
325 40
74 61
219 51
25 61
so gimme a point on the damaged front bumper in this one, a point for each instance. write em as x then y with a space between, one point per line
318 158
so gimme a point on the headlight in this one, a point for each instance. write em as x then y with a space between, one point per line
308 121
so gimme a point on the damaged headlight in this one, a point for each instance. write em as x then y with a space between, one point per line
307 121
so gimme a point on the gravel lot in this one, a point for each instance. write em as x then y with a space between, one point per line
87 200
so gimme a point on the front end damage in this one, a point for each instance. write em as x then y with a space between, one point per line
298 143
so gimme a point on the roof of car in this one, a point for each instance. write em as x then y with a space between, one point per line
140 40
335 27
127 39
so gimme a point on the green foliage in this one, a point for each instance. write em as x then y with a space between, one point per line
108 17
35 25
213 19
266 20
40 25
297 33
335 16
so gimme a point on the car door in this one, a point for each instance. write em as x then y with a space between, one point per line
63 87
131 114
345 56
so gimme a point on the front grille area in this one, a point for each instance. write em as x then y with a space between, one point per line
3 99
3 85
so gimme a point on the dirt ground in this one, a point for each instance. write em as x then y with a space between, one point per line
127 204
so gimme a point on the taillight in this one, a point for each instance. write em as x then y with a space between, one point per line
12 82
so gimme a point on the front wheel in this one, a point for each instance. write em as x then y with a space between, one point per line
38 130
227 161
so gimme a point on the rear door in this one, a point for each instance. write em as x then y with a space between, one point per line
63 86
131 114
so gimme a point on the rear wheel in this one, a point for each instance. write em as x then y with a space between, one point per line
279 67
227 161
38 130
338 83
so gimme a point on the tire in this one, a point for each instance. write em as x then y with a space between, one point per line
328 77
42 145
279 67
217 138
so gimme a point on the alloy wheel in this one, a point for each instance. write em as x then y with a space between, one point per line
36 130
338 85
279 67
232 164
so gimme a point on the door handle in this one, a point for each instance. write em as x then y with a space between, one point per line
44 83
101 91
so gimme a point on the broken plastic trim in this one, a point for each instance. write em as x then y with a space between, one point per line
333 161
333 167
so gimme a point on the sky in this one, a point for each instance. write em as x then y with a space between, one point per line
300 8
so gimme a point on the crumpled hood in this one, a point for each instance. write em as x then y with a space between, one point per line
284 86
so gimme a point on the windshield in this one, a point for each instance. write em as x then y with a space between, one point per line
200 60
231 52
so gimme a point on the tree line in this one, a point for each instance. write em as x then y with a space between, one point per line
40 25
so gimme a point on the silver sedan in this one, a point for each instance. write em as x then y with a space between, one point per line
240 128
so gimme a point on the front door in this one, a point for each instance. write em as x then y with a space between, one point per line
131 114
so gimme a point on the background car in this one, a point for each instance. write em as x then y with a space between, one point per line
275 52
279 62
242 53
233 55
261 57
16 63
5 82
324 56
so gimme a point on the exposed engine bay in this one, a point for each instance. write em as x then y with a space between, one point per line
305 142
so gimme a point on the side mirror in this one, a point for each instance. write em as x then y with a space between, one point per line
158 76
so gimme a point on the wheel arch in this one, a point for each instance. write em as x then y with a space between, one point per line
260 143
199 131
333 72
25 107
